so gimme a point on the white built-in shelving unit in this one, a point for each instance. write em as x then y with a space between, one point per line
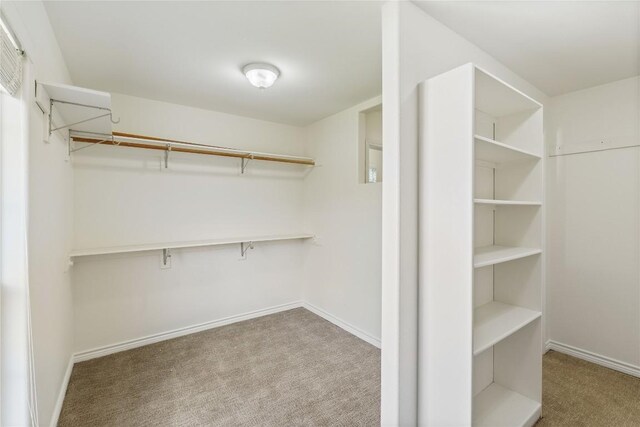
481 252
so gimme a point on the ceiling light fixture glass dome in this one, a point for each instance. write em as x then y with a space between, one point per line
261 75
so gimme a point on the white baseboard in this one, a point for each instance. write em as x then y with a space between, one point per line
344 325
151 339
598 359
63 391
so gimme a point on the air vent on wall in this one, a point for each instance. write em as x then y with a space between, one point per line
10 60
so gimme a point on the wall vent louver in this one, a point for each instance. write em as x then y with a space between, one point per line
10 64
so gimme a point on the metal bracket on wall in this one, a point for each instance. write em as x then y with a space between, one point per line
165 256
55 101
166 156
105 138
245 162
244 247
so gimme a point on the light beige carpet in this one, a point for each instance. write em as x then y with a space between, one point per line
578 393
287 369
296 369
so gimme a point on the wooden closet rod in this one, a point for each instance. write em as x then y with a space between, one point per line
119 139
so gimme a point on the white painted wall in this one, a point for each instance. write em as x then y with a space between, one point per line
15 394
50 215
415 47
125 196
197 197
342 268
374 126
593 217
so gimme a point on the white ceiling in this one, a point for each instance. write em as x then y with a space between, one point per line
192 53
329 52
558 46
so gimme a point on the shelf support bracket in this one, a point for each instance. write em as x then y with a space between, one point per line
165 256
166 156
244 247
111 139
50 115
245 162
52 101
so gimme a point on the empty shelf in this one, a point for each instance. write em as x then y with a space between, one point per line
498 98
185 244
496 152
506 202
497 406
495 321
490 255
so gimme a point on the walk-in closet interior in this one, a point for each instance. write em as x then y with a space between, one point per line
319 213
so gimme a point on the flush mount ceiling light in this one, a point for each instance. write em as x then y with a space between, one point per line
261 75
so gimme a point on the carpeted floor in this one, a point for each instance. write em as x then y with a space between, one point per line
287 369
578 393
296 369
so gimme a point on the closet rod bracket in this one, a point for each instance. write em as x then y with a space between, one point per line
108 113
244 247
245 162
165 256
98 142
166 156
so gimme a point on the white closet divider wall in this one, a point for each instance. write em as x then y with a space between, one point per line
481 240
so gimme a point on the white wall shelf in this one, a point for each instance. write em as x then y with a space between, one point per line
185 244
495 321
506 202
492 151
498 98
498 406
491 255
79 109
